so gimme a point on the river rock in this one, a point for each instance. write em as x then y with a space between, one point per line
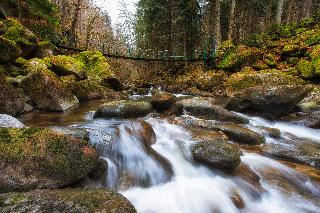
271 102
81 134
32 158
294 149
63 65
205 108
123 109
162 101
12 101
67 200
218 154
233 131
44 88
9 121
271 132
113 83
147 133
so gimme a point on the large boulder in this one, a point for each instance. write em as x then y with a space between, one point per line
271 102
235 132
294 149
84 90
15 40
205 108
63 65
218 154
67 200
123 109
32 158
12 101
44 88
162 101
9 121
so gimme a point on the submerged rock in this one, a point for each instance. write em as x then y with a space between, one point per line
204 108
32 158
12 101
44 88
271 102
218 154
123 109
162 101
297 150
67 200
9 121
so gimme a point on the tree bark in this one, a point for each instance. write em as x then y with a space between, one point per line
279 11
231 20
74 22
217 22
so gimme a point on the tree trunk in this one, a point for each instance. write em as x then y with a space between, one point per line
74 22
217 22
279 11
231 21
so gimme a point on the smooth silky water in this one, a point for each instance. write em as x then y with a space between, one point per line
192 188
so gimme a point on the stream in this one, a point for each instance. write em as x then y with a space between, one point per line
143 176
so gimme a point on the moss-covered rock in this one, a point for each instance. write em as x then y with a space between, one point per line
15 40
84 90
44 88
95 64
316 65
270 60
34 158
123 109
63 65
292 50
217 154
271 102
68 200
306 69
12 100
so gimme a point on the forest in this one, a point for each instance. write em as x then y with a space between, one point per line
158 106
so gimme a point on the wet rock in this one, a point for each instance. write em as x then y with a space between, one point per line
81 134
67 200
271 132
234 132
84 90
218 154
113 83
44 88
271 102
147 133
32 158
204 108
9 121
162 101
12 101
63 65
15 41
312 120
297 150
123 109
311 102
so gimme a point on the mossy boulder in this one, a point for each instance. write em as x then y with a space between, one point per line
235 59
270 60
44 88
311 102
218 154
95 64
206 109
84 90
12 100
293 50
63 65
316 65
123 109
272 102
306 69
33 158
162 101
15 40
67 200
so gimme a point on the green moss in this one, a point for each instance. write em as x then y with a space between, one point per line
18 33
293 50
316 65
313 40
243 80
306 69
67 65
96 65
293 60
270 60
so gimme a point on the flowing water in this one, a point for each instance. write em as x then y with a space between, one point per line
165 179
